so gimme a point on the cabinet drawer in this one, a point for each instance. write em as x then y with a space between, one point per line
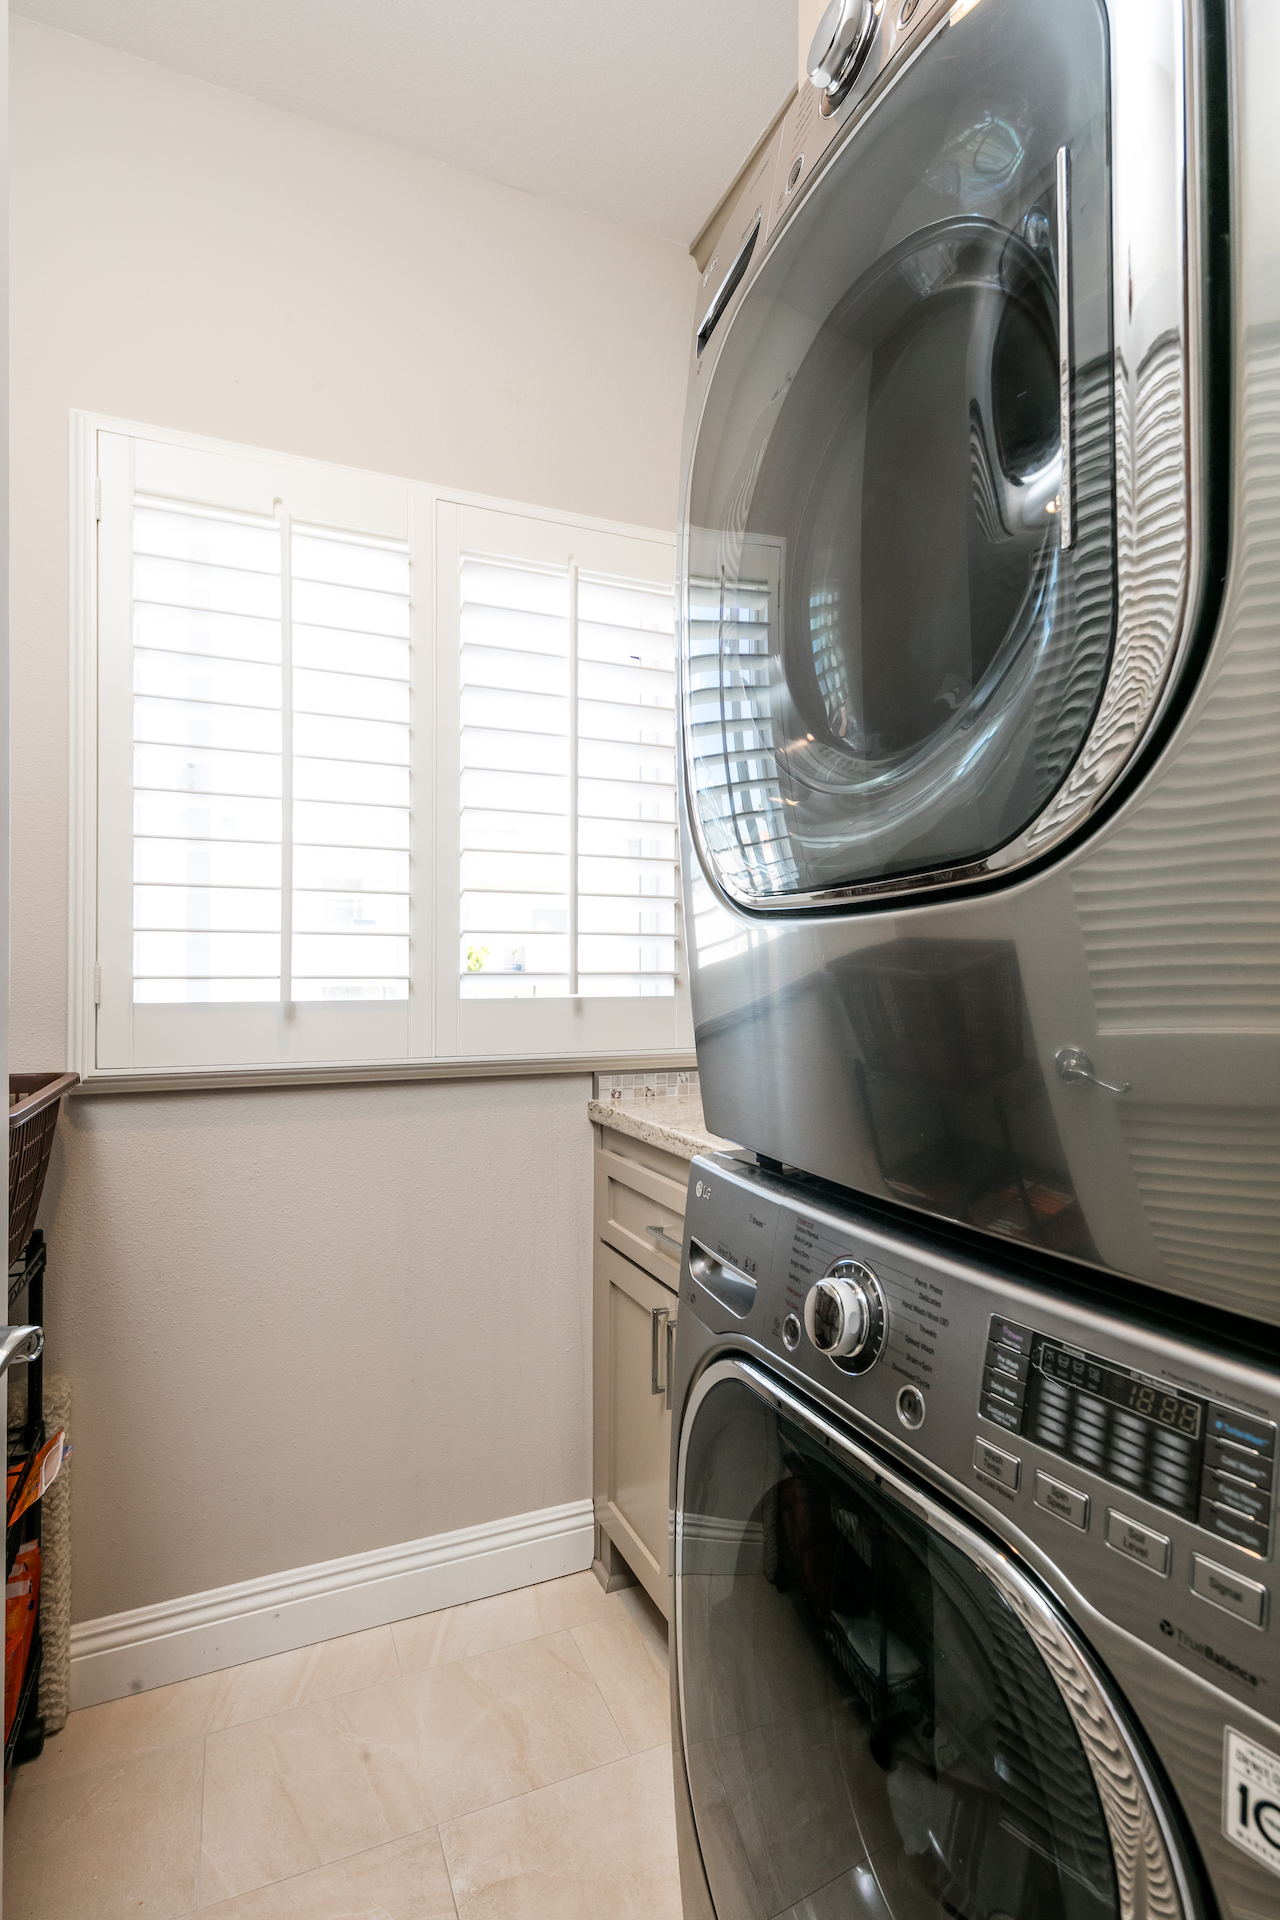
641 1214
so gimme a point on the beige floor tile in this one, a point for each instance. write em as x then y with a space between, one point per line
106 1842
508 1722
166 1715
601 1844
295 1679
313 1785
636 1602
285 1795
632 1675
460 1633
406 1880
98 1736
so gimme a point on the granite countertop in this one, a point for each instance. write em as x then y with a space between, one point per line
674 1123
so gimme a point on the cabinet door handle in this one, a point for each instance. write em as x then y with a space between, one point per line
664 1240
671 1356
656 1317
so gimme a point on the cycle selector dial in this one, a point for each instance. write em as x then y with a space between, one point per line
844 1316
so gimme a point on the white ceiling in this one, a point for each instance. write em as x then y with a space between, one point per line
643 111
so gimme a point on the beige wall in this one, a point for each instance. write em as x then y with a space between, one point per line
303 1324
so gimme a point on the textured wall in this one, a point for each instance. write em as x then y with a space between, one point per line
300 1324
305 1324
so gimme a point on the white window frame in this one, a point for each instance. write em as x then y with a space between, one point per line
436 1033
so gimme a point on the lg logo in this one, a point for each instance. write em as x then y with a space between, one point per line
1251 1810
1166 1627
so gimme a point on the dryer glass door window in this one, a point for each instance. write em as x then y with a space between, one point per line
870 1732
891 655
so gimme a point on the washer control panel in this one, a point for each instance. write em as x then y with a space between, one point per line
1139 1464
1213 1464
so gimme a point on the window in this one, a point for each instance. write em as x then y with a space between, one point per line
381 774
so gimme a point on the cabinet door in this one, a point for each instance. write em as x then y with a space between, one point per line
634 1346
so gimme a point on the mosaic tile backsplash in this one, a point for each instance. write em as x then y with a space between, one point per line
628 1089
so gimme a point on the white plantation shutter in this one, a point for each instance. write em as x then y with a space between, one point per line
566 857
350 728
558 899
372 774
207 755
514 781
254 823
627 865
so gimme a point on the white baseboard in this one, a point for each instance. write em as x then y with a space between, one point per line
126 1653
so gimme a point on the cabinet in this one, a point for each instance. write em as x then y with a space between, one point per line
639 1234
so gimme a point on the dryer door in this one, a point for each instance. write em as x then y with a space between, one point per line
945 440
883 1717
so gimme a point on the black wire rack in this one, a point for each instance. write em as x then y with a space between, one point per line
26 1275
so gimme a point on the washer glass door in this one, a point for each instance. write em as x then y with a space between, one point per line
870 1728
890 657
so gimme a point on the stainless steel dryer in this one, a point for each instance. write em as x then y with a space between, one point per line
980 633
974 1585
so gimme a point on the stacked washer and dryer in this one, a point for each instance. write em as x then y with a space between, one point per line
977 1378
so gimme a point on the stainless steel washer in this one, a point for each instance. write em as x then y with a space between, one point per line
983 1627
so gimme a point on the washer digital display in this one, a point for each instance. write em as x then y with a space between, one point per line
1213 1464
1122 1389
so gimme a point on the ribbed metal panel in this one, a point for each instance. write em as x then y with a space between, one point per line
1207 1180
1181 909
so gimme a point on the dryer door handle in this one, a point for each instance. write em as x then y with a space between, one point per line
1076 1068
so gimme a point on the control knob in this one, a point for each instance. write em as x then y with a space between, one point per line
844 1316
840 44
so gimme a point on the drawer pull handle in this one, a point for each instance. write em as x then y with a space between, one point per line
664 1239
657 1316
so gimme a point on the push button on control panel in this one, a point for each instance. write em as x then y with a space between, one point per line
1231 1591
1235 1486
1004 1377
1139 1542
1000 1387
1238 1463
1057 1498
1005 1360
996 1463
1225 1491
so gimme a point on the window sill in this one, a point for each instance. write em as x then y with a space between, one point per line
377 1073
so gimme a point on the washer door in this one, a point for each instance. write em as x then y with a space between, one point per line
882 1716
941 446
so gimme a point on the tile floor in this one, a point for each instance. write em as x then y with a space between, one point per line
507 1760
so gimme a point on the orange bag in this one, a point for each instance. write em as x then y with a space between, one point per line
45 1469
21 1598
